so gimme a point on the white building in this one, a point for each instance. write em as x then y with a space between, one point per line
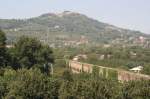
137 69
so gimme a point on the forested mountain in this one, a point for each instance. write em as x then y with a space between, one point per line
68 27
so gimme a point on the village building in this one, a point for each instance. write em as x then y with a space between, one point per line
80 56
9 46
137 69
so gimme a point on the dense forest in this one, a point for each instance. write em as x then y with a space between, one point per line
26 73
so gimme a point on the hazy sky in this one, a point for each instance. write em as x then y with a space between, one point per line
132 14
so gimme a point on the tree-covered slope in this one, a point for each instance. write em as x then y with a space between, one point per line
65 26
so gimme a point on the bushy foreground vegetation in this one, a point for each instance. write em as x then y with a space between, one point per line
25 73
32 84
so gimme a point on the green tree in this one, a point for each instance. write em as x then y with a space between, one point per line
27 84
136 90
30 52
146 69
2 48
67 75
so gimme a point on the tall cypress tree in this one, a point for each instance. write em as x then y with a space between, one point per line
2 48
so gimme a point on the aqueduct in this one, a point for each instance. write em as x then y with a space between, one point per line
121 75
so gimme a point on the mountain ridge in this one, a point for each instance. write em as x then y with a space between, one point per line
70 12
69 25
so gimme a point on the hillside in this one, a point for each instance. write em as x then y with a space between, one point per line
69 28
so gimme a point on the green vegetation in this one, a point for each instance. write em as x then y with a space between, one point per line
27 53
26 74
2 49
65 27
30 52
146 69
32 84
115 57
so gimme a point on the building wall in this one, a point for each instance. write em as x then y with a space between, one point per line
121 75
127 76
